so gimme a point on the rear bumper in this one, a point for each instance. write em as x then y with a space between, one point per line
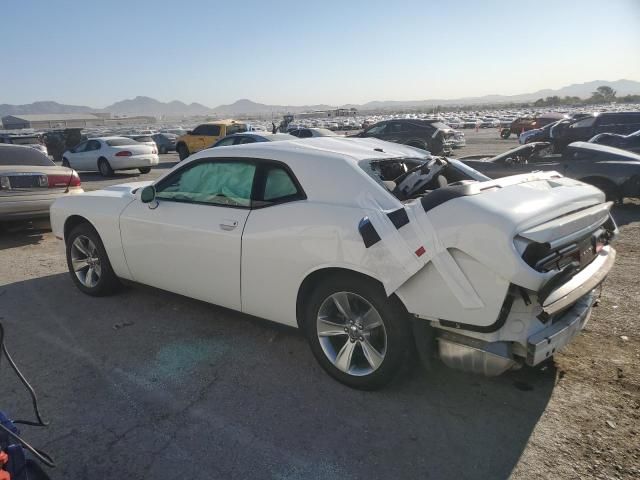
30 207
24 209
142 161
582 283
547 342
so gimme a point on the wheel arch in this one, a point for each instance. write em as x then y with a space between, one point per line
72 222
324 273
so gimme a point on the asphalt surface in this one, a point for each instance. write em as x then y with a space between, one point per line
148 384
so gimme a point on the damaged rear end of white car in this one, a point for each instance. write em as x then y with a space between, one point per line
495 274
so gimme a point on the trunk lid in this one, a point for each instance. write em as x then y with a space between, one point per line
18 180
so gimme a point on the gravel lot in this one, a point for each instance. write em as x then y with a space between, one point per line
147 384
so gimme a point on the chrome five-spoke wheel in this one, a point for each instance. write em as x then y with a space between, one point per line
351 333
85 260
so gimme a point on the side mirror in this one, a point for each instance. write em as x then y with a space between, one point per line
509 161
148 194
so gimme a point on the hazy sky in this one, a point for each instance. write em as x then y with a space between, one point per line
309 52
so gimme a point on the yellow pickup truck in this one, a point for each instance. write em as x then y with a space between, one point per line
206 134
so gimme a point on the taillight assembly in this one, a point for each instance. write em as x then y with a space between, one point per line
124 153
64 181
58 181
75 179
154 151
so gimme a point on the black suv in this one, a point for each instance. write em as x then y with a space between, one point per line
431 135
585 128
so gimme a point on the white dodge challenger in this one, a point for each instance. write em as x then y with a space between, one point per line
369 247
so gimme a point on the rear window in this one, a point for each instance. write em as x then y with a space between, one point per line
119 142
236 128
24 140
10 155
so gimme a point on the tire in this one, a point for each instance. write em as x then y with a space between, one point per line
104 168
94 277
183 151
144 169
390 339
162 150
505 134
65 163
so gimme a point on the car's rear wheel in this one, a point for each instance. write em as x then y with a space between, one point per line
65 162
357 334
183 151
88 262
162 150
104 167
144 169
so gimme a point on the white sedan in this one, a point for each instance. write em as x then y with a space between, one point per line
106 154
365 245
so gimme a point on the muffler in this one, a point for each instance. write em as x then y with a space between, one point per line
475 356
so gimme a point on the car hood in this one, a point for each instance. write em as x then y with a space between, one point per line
122 190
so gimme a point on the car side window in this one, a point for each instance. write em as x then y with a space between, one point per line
223 183
80 148
199 130
377 129
305 133
585 122
210 130
278 185
243 140
92 145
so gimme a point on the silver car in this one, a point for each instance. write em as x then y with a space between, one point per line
30 182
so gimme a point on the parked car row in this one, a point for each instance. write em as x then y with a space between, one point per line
614 171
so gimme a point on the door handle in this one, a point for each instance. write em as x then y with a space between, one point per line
228 224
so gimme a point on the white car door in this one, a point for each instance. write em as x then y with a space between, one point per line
75 156
189 240
90 155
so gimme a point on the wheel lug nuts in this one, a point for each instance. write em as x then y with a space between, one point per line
360 327
346 329
352 340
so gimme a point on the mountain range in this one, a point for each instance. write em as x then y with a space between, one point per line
149 106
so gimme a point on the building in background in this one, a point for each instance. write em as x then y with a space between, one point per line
69 120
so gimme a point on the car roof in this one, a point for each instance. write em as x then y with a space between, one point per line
352 149
596 147
327 167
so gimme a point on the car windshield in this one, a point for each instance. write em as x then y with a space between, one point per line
10 155
429 173
120 142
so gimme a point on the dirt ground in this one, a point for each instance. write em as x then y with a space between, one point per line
591 427
149 384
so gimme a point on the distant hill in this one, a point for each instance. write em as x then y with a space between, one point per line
42 108
149 106
245 106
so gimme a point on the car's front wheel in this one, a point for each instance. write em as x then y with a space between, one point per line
104 168
88 262
358 334
144 169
